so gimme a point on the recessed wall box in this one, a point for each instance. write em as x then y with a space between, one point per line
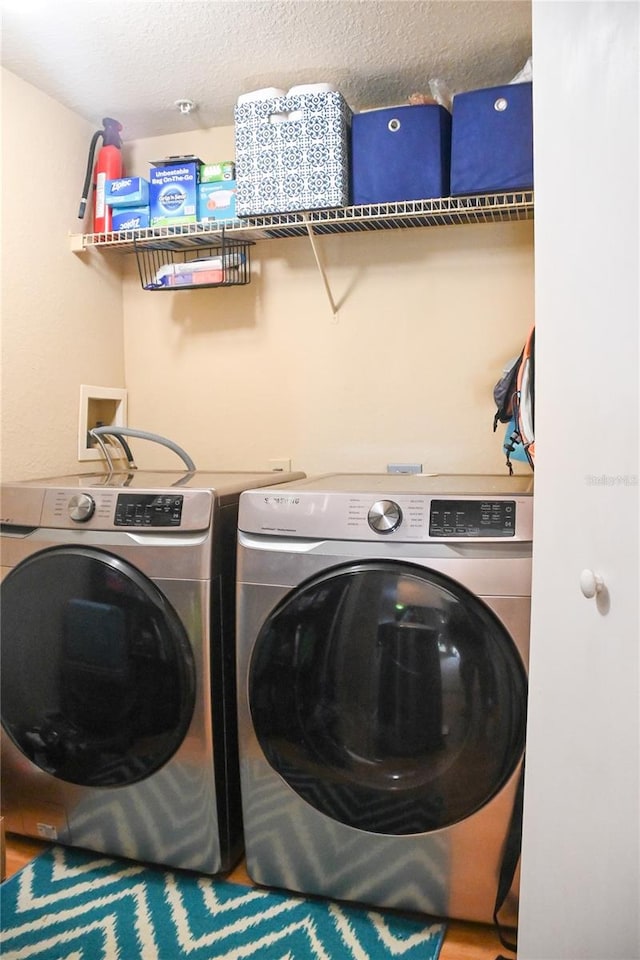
99 406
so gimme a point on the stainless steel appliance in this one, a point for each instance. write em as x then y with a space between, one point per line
118 665
383 629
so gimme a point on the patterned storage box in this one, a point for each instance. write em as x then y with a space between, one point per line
492 140
292 153
400 153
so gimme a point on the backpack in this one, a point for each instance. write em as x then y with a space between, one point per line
514 396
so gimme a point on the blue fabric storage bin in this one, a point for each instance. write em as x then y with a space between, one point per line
400 153
492 140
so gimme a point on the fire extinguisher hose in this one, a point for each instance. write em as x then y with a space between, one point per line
87 180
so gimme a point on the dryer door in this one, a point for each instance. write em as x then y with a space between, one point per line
388 697
98 676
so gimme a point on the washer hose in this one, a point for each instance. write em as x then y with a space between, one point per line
103 448
97 432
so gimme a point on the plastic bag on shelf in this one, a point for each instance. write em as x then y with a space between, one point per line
439 93
526 74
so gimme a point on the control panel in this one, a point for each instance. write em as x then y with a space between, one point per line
130 510
472 518
452 518
399 518
148 510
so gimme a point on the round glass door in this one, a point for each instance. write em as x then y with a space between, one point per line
388 697
98 676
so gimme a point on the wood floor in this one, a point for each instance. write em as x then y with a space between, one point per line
463 941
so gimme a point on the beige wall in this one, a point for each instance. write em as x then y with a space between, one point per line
241 376
405 372
61 315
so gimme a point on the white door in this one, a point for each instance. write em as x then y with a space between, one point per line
580 890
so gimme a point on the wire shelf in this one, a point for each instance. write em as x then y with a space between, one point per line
443 211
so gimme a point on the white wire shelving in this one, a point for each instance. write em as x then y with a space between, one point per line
443 211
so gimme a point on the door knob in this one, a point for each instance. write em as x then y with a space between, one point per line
590 583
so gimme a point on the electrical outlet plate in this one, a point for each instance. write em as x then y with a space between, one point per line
106 405
404 468
282 465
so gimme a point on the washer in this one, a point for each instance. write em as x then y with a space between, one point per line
383 629
119 728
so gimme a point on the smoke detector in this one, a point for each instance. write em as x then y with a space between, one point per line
185 106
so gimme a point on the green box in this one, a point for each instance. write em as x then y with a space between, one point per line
215 172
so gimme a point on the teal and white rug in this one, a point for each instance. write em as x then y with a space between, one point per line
71 904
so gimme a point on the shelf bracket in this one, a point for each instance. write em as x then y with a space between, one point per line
76 243
320 265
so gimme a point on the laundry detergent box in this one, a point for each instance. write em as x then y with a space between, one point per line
492 140
400 153
173 191
217 200
130 218
127 192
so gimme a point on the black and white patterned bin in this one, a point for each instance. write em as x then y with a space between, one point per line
292 153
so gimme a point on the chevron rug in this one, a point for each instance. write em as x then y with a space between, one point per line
71 904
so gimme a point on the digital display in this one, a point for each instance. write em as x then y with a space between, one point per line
472 518
148 510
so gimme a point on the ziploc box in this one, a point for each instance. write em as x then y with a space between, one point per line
130 218
217 200
400 153
492 140
173 193
127 192
292 153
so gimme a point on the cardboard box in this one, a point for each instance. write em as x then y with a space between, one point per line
400 153
130 218
492 140
173 193
197 272
127 192
213 172
199 278
217 200
292 153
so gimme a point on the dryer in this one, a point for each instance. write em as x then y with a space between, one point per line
118 663
383 629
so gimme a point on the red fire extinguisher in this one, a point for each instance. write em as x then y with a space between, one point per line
108 167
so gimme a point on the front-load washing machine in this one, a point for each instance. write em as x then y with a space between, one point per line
383 628
118 709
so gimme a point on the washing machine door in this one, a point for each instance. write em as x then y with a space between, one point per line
388 697
98 676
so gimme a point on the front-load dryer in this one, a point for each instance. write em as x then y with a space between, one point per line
383 629
119 725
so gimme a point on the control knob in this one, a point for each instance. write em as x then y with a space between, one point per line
385 516
81 507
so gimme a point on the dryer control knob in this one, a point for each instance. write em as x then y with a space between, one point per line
385 516
81 507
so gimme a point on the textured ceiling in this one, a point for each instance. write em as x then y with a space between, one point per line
132 59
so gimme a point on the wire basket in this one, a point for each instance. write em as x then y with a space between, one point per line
221 262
